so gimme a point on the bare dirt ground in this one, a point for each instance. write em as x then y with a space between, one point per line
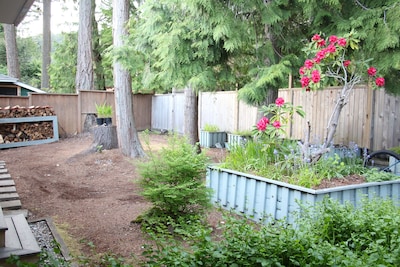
91 196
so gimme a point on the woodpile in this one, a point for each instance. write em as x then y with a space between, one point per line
25 131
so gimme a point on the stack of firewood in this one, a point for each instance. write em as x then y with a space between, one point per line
25 131
32 111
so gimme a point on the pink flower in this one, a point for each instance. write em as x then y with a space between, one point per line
371 71
333 39
279 101
380 81
277 124
321 43
305 81
308 64
331 48
342 42
262 124
320 55
315 76
346 63
302 71
316 37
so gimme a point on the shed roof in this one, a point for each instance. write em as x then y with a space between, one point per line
8 79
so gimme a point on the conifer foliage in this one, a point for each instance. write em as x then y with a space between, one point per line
173 180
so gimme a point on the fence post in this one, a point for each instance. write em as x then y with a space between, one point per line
367 139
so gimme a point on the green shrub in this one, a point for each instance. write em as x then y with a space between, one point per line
173 180
330 234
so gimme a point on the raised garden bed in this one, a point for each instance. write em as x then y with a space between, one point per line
265 200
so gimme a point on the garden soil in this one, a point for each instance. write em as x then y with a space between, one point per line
91 196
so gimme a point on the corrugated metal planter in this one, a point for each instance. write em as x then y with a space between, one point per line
265 200
236 139
209 139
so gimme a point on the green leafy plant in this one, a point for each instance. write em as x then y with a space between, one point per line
210 128
173 181
104 110
329 234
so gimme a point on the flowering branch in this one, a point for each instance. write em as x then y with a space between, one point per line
330 63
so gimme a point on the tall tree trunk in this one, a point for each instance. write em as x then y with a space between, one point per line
12 51
99 82
128 139
191 125
84 73
46 47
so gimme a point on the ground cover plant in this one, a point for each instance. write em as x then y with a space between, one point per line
329 234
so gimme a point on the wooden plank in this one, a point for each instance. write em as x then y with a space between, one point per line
5 176
12 204
3 170
7 189
8 196
26 237
12 240
7 183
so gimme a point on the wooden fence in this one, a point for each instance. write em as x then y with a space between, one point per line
370 119
73 110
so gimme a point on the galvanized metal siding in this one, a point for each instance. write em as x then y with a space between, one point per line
265 200
168 112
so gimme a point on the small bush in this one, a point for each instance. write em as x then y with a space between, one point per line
174 180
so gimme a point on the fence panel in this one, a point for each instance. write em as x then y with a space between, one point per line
22 101
168 112
219 108
65 107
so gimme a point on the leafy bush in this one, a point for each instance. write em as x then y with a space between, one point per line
173 180
328 235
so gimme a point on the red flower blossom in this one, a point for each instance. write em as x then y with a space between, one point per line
305 81
331 48
316 37
320 55
277 124
262 124
380 81
321 43
279 101
333 39
371 71
346 63
315 76
308 64
342 42
302 71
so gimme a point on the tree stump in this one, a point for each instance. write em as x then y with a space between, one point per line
105 137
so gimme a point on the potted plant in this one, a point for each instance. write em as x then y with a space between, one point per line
104 114
210 136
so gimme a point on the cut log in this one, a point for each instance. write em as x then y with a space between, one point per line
105 137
